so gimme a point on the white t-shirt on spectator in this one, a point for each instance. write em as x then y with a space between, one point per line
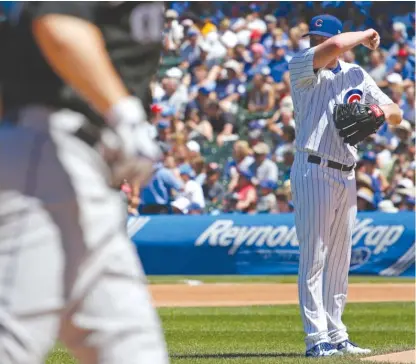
384 158
174 35
194 193
257 24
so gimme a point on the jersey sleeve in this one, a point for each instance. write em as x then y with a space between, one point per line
372 93
302 74
86 10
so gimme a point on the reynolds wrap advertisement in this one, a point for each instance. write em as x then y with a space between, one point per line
382 244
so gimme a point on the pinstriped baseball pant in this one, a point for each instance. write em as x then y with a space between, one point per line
325 213
67 269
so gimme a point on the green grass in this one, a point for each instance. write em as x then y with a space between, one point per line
267 279
272 334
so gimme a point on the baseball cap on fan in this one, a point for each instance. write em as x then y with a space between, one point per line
324 25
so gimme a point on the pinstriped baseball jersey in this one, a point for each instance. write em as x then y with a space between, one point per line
314 97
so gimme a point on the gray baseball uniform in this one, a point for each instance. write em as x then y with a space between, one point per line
67 268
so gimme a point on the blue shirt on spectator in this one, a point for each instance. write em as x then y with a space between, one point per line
227 87
159 190
278 68
190 53
250 69
407 70
267 41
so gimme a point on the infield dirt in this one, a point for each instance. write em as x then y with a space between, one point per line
248 294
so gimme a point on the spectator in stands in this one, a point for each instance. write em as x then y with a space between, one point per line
401 138
196 106
378 68
261 96
401 64
255 136
194 149
155 196
216 50
258 62
280 38
262 167
379 183
267 202
212 188
282 118
198 165
242 159
223 123
190 51
230 89
244 196
173 32
241 54
365 199
287 138
295 43
408 105
267 38
278 64
198 78
283 203
254 21
175 93
192 190
400 38
164 134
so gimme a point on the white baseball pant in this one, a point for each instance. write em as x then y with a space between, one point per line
325 212
67 268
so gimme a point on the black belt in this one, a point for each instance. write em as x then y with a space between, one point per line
331 164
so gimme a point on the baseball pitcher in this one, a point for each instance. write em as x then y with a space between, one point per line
75 82
337 105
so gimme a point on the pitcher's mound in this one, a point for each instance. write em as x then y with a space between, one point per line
403 357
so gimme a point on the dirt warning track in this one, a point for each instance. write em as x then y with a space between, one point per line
249 294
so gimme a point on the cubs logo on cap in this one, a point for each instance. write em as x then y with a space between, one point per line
324 25
354 95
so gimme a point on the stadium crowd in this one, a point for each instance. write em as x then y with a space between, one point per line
224 118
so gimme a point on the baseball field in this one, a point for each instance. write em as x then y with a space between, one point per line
241 320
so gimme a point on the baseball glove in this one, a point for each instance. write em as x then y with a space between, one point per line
356 122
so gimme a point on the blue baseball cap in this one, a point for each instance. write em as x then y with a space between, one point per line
324 25
163 124
194 207
254 8
369 157
204 90
187 170
192 32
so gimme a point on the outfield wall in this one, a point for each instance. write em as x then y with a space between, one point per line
383 244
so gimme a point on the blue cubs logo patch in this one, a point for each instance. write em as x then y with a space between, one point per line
353 95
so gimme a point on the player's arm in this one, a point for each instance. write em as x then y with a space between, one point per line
392 113
75 49
339 44
373 95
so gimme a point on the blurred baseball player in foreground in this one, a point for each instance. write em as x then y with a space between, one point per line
75 87
323 177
